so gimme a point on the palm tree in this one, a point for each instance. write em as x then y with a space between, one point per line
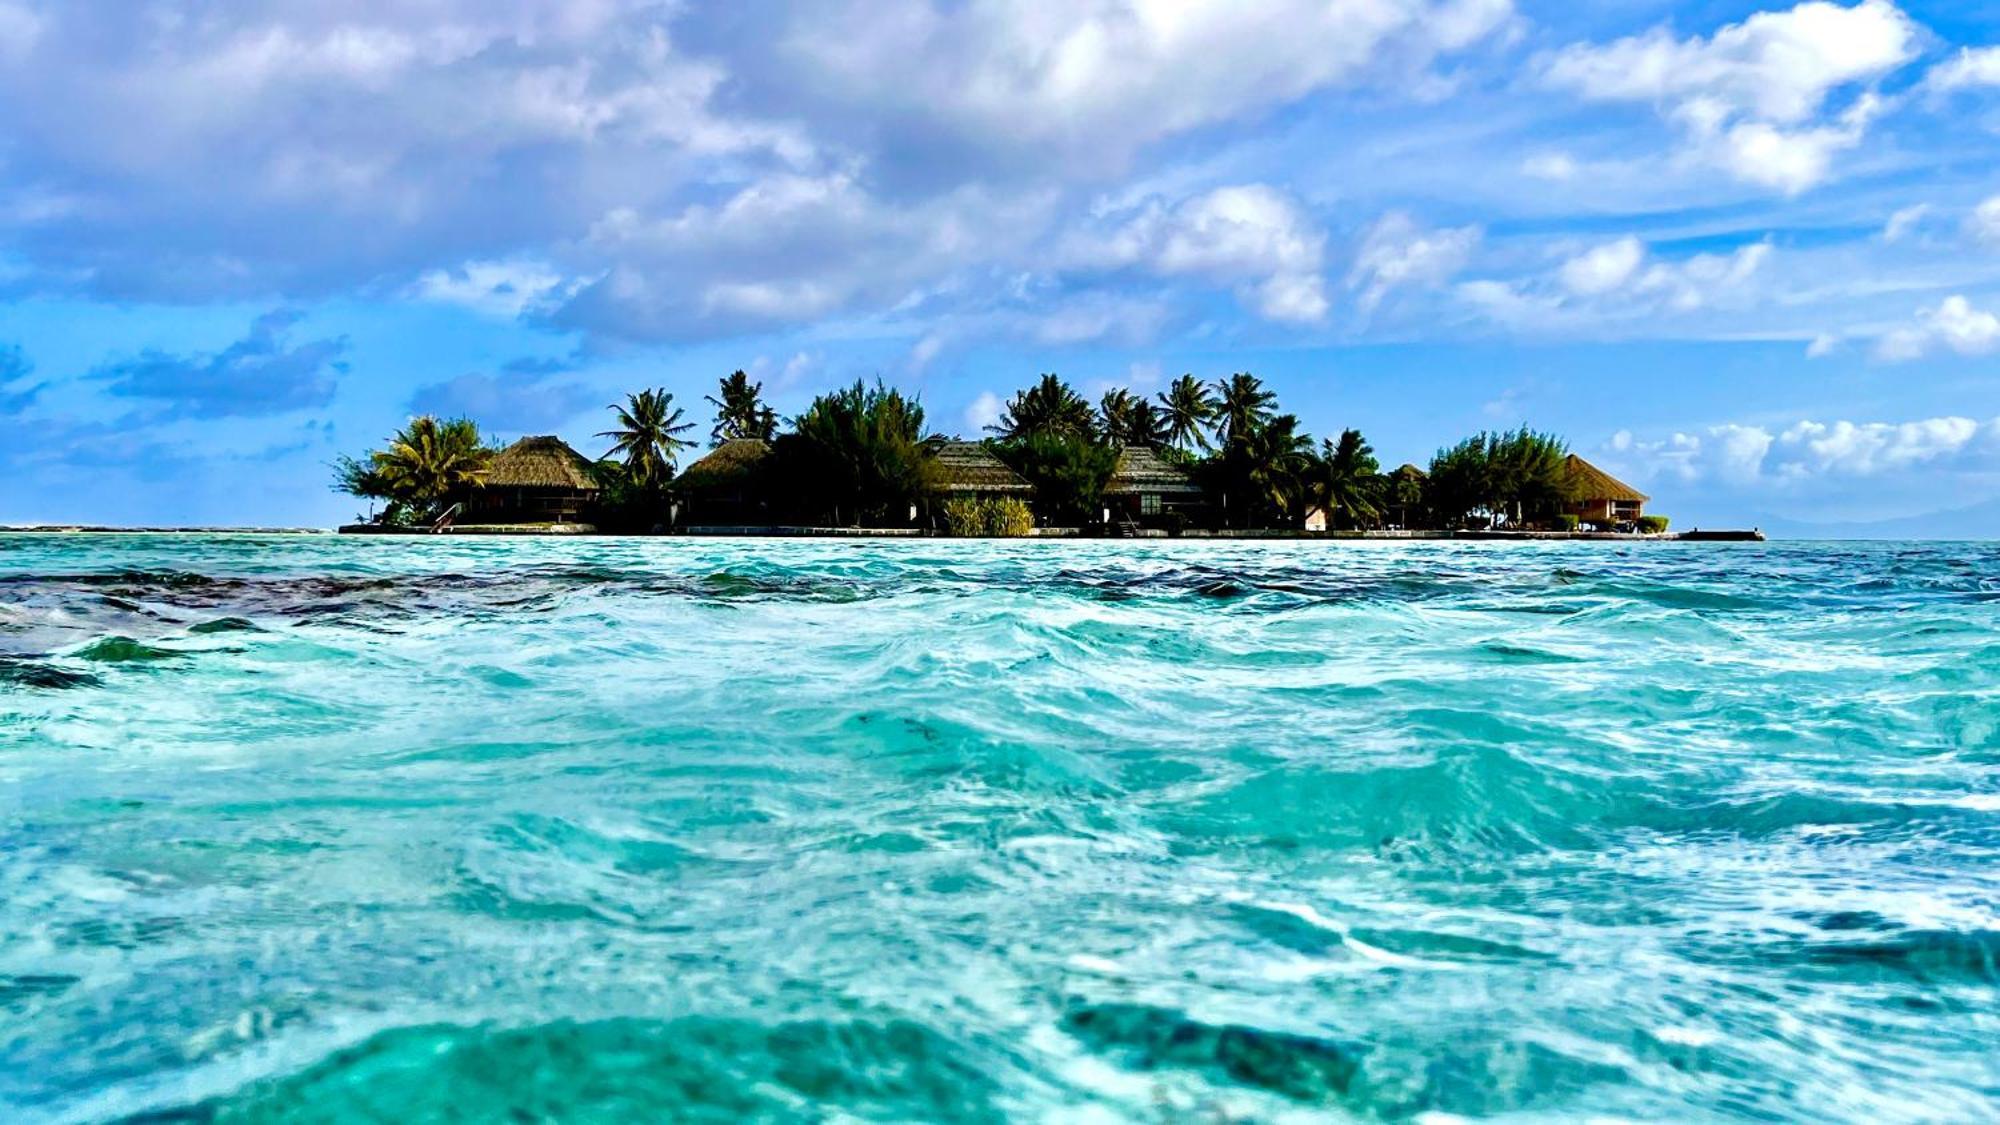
1344 481
1273 460
1051 407
1146 426
1188 410
740 411
1117 414
1246 405
648 437
426 463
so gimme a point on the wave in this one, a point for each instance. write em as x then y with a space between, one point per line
629 1069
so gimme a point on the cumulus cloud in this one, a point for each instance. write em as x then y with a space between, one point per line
1954 325
1806 451
1604 268
1984 222
983 412
1250 236
1396 252
783 250
496 288
263 373
1083 84
1753 98
1618 280
493 152
1971 67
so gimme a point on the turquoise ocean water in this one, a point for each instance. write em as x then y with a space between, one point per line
331 829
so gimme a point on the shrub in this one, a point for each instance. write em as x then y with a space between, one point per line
1004 517
1566 522
1652 525
1009 518
963 518
1604 525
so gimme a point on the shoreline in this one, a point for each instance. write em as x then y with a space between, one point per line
1695 535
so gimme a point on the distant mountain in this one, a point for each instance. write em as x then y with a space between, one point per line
1980 521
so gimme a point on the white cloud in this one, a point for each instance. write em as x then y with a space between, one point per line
1250 235
886 147
1603 268
1954 325
1740 456
1619 280
1984 222
783 250
1751 97
984 411
1972 66
1397 252
503 288
1089 82
1904 221
1560 167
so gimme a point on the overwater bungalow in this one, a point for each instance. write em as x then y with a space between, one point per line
968 470
1144 488
535 480
721 489
1598 497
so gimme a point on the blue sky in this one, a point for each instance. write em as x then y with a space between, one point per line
1747 257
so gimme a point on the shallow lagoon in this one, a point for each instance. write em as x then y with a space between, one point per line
338 829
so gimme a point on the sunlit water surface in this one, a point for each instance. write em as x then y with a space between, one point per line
449 829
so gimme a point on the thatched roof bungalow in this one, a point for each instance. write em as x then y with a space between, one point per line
968 470
722 488
535 480
1596 495
1144 485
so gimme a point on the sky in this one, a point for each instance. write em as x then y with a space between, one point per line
1745 257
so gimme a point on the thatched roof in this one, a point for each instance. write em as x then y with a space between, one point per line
726 466
540 462
1141 469
968 466
1587 483
1410 472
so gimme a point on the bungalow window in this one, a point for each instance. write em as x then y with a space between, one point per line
1149 503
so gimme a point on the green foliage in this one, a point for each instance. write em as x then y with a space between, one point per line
1127 419
1653 525
1245 406
647 438
858 456
1345 480
1264 472
740 411
627 505
1514 474
427 466
1069 473
1566 521
1010 517
1187 408
999 517
1049 408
